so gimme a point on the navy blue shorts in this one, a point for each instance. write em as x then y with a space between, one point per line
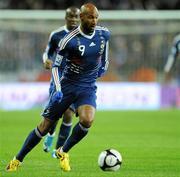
72 94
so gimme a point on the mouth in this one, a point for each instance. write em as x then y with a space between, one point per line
73 23
92 27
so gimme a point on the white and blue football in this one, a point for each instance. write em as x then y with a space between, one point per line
110 160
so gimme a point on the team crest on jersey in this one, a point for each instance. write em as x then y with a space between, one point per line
102 45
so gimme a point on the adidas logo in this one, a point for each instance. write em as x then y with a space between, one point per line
92 44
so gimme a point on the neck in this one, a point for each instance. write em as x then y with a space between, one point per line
86 31
69 28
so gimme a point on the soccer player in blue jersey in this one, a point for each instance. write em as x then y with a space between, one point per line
86 51
172 58
72 19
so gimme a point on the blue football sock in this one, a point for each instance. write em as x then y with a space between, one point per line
31 141
63 134
78 133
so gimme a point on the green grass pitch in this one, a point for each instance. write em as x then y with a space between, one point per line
149 142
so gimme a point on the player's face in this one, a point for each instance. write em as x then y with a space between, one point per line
89 21
72 19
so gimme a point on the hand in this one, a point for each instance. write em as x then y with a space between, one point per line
48 64
57 96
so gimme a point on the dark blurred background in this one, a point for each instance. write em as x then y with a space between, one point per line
102 4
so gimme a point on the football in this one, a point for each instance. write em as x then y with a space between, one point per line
110 160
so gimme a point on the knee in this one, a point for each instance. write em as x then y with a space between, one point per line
67 118
86 115
86 120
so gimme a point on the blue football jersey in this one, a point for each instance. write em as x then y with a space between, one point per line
51 51
53 43
175 50
86 55
176 46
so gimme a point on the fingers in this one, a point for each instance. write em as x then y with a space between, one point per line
48 64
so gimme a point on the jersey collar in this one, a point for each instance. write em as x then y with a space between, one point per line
85 35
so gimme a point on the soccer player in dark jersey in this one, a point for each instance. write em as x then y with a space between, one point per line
86 51
71 19
172 58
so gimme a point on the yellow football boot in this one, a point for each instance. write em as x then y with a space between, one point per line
13 165
64 160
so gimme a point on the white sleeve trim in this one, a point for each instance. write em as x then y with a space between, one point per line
45 57
56 78
106 56
169 63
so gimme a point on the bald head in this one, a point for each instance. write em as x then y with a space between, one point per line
88 8
72 10
89 17
72 17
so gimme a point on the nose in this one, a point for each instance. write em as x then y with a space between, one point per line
74 20
94 21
